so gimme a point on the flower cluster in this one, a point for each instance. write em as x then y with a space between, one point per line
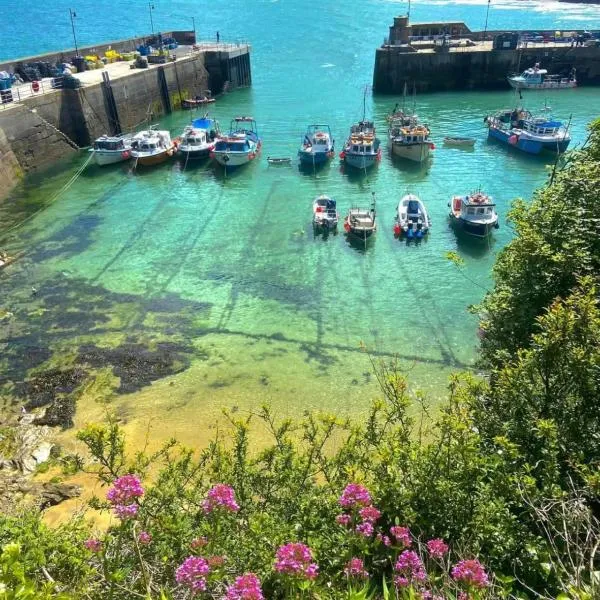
355 569
402 536
409 569
93 545
355 496
437 548
192 573
471 573
123 495
144 538
296 559
198 543
222 497
246 587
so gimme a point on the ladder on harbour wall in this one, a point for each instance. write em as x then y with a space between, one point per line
164 90
109 97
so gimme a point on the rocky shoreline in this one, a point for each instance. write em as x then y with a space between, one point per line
24 446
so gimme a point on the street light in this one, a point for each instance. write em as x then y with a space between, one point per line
151 8
194 24
73 14
487 14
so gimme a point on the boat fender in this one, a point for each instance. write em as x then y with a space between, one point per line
125 154
347 226
342 155
397 229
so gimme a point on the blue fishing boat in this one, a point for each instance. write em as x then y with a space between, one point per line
240 146
198 139
519 129
317 146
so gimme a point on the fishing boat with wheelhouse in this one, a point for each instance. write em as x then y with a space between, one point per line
198 139
109 150
152 147
362 149
412 218
474 214
240 146
519 129
411 142
317 145
325 214
535 78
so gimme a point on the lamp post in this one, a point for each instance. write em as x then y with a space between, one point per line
408 13
194 25
151 8
73 14
487 14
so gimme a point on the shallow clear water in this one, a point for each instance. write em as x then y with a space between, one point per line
223 275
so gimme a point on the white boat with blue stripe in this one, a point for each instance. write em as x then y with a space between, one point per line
240 146
317 146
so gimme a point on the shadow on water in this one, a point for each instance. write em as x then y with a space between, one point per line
323 233
414 171
358 175
361 245
542 158
309 170
471 246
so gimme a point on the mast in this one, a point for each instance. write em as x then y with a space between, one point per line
404 97
364 103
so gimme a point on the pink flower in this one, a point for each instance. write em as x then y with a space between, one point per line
296 559
220 496
192 573
246 587
198 543
409 568
365 529
124 490
125 512
93 545
144 537
470 572
343 519
356 569
437 548
215 562
402 535
384 539
369 514
355 496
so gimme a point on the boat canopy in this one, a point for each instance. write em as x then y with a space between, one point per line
203 123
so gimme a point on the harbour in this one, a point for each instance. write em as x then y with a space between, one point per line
215 287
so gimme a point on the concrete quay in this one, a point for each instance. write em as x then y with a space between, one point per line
465 60
39 128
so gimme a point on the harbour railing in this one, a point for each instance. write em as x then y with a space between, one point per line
22 91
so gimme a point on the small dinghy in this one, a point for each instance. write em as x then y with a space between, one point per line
412 218
360 222
325 214
189 103
272 160
467 142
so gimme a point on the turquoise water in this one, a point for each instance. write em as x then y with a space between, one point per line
200 291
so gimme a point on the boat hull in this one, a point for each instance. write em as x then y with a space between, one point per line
195 154
189 104
314 158
414 152
526 144
110 157
480 230
155 159
234 159
361 161
546 85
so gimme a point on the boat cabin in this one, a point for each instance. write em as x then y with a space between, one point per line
320 138
542 127
412 135
533 75
110 143
475 207
195 137
364 147
232 144
325 205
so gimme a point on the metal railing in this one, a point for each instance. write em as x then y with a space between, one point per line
22 91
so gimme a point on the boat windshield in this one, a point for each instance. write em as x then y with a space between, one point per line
225 146
108 145
413 207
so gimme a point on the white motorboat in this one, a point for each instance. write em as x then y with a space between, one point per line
412 218
538 79
240 146
152 147
475 214
325 214
198 139
109 150
361 222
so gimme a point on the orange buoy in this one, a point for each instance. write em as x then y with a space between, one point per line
397 229
342 155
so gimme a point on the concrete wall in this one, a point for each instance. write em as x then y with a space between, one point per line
468 70
10 170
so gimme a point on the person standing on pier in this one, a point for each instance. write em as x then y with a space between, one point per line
218 37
